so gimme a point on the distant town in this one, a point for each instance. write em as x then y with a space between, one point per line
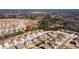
39 28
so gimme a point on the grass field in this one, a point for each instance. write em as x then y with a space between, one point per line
7 20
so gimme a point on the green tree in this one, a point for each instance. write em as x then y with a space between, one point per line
44 24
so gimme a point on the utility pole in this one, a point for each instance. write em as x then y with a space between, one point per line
18 12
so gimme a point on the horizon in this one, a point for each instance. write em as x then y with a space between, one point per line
38 10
